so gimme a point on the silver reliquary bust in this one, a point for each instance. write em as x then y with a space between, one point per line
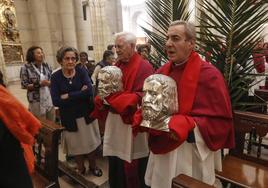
109 81
159 101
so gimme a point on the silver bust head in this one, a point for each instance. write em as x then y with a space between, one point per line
109 81
159 101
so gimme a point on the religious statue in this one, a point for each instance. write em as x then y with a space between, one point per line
9 33
109 81
10 21
159 101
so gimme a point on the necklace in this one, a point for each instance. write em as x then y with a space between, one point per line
70 80
69 77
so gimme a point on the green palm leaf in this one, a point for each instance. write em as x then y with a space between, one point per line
163 12
229 30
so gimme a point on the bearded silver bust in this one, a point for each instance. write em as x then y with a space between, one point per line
159 101
109 81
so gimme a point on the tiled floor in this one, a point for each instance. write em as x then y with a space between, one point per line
18 92
64 181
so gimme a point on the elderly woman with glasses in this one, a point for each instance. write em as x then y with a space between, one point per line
71 92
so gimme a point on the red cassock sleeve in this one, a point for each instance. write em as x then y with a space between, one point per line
258 59
125 104
212 110
180 125
100 111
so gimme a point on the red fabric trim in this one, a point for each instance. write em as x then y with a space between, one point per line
258 59
180 125
188 83
212 110
161 144
130 71
125 104
100 111
20 122
122 102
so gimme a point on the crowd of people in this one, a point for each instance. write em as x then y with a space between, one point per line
138 158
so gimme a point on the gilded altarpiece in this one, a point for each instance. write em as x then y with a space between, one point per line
9 34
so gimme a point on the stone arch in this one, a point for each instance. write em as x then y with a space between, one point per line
134 20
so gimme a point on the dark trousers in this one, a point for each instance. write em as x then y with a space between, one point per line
118 177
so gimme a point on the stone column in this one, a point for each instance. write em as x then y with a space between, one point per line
114 19
41 28
66 9
24 24
83 27
54 27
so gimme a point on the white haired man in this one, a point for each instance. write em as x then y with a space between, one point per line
128 155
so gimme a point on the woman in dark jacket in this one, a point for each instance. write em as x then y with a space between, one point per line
71 92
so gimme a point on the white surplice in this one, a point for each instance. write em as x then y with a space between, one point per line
193 159
118 140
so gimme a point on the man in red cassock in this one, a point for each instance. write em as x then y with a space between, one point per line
259 57
128 155
202 127
259 60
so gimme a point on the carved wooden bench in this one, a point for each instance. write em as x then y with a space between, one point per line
57 166
246 165
46 154
261 96
184 181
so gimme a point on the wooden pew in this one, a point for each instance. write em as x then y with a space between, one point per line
46 153
261 96
184 181
245 165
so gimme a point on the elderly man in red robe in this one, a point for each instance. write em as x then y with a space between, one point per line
202 127
128 155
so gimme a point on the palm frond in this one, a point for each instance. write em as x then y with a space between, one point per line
227 33
163 12
229 30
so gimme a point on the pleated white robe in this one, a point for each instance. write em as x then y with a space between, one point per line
118 140
193 159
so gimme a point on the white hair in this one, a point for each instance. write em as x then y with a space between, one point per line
129 37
